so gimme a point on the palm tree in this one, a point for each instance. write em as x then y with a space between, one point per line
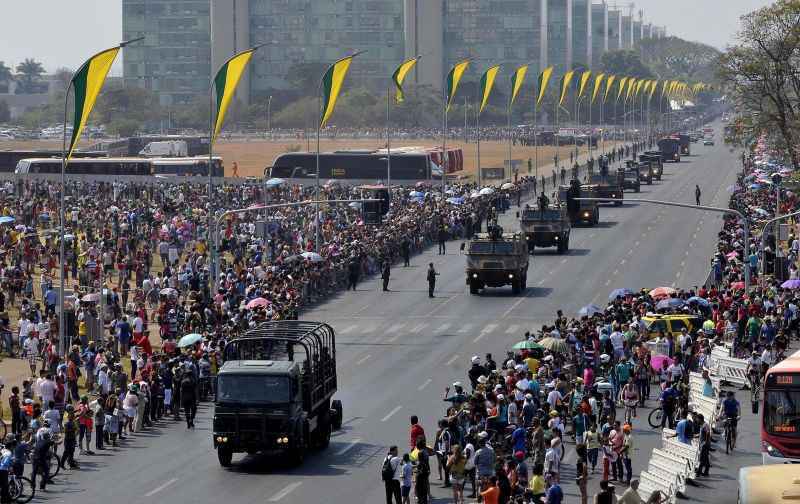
29 70
5 77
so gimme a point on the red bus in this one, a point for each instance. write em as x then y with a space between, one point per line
780 417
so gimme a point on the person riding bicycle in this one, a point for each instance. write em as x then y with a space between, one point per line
754 369
731 409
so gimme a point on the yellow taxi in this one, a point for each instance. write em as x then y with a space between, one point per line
671 324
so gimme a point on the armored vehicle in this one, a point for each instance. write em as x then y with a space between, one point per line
495 259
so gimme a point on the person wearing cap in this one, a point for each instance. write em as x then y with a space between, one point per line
552 461
484 458
476 371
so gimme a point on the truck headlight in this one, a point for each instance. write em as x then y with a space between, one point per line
510 276
474 275
586 214
556 238
222 439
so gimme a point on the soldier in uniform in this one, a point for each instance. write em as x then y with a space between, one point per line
432 274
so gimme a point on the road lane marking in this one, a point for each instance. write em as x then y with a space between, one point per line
291 487
615 273
486 330
563 260
391 413
349 447
424 384
361 310
348 329
512 329
451 360
465 328
608 282
417 328
159 488
395 328
443 328
362 360
438 307
622 262
636 243
393 338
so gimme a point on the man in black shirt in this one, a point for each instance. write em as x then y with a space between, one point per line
423 473
189 398
41 451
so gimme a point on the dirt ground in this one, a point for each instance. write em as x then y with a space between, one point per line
254 155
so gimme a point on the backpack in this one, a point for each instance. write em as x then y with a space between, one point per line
387 472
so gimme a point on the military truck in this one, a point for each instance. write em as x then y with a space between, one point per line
686 149
580 212
632 178
495 259
547 227
645 171
654 157
609 185
670 149
275 390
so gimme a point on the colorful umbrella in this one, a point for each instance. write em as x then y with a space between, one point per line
791 284
698 300
527 345
737 285
275 182
619 293
662 292
668 303
6 219
258 302
189 340
556 345
312 256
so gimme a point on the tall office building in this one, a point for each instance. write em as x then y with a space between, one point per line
174 59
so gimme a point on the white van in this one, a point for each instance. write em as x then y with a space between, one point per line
170 148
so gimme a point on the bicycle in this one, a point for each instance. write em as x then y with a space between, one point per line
755 396
20 488
730 434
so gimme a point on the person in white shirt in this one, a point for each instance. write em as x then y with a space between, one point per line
675 370
618 342
103 380
47 389
25 329
768 357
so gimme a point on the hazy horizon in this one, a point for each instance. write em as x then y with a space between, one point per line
66 35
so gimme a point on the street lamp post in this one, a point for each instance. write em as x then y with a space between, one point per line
728 211
269 116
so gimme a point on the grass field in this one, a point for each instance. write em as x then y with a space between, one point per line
253 156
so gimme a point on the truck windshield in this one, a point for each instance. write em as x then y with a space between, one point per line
782 411
252 389
491 248
547 215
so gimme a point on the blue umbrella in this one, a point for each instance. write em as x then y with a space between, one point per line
6 219
670 303
589 310
455 201
699 300
755 186
619 293
189 340
416 194
274 182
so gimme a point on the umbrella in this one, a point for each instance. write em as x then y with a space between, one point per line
556 345
455 201
527 345
619 293
733 188
662 292
416 194
355 204
312 256
732 255
291 259
91 298
275 182
657 361
755 186
791 284
6 219
258 302
589 310
486 191
189 340
331 183
168 291
737 286
698 300
19 227
474 195
421 184
507 185
668 303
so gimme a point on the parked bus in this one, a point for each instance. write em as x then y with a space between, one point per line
10 158
360 165
122 166
780 416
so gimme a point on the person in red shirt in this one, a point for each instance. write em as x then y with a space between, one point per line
416 432
492 493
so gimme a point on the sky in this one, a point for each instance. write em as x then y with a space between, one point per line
63 33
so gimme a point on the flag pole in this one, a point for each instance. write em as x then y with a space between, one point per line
388 146
535 140
478 141
316 185
62 346
508 116
444 141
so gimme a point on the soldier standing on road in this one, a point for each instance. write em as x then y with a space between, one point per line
563 174
352 272
432 274
697 194
385 273
442 240
405 251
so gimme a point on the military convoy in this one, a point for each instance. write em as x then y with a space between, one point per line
632 178
495 259
580 212
654 158
546 227
609 185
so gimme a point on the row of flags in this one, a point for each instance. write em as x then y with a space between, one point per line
88 81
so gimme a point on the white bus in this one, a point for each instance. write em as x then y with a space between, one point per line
128 166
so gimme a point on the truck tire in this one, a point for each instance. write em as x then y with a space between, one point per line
618 203
515 287
566 243
560 245
297 449
338 415
638 188
650 181
225 456
474 287
323 433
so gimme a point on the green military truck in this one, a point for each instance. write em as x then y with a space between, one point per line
609 185
495 259
654 157
549 227
275 390
580 212
632 178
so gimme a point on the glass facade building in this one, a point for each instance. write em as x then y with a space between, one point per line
600 37
174 59
559 39
580 32
614 30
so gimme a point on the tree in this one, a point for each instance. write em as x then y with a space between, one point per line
677 59
759 75
625 64
132 103
63 76
29 72
5 77
5 112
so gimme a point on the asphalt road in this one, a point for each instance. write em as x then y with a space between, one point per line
398 350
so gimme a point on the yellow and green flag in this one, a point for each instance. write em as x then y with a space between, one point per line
653 87
399 76
87 82
584 79
631 85
453 78
566 81
664 86
487 83
609 85
332 86
225 83
544 78
639 87
516 82
622 83
598 81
